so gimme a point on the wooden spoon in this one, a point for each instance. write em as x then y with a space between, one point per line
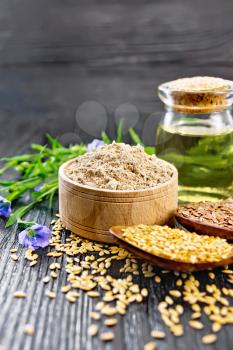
204 229
117 232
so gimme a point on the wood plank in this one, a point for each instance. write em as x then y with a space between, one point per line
108 34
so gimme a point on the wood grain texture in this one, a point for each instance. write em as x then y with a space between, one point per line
56 55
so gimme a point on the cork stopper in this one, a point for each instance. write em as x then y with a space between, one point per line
197 94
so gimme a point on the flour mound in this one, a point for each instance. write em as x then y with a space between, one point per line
119 166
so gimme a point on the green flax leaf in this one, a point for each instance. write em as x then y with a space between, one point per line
134 136
105 137
119 133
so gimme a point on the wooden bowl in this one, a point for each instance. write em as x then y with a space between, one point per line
91 212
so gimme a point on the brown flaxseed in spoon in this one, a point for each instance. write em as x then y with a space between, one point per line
208 218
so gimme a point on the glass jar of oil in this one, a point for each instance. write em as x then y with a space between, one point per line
196 135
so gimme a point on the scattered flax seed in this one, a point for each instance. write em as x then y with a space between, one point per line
20 294
28 253
66 288
99 305
52 266
107 336
169 300
71 297
216 327
177 330
211 275
196 324
29 329
31 255
95 315
58 265
92 330
179 283
46 279
175 293
134 288
54 274
33 263
88 265
139 298
110 322
179 308
150 346
144 292
14 257
50 294
209 339
109 310
195 307
93 294
13 250
158 334
228 271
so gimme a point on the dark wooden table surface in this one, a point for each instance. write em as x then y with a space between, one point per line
73 68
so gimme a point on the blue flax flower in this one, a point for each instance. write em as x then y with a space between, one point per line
34 237
94 144
38 187
5 207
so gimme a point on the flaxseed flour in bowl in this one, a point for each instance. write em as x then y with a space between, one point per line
117 184
119 166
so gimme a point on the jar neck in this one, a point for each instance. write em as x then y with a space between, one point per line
200 111
219 119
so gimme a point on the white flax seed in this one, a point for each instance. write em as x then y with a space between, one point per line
29 329
107 336
20 294
92 330
209 339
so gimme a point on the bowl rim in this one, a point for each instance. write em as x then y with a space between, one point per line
148 190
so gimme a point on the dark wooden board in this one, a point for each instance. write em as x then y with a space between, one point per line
55 57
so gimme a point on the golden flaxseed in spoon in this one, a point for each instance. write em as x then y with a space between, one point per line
178 245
